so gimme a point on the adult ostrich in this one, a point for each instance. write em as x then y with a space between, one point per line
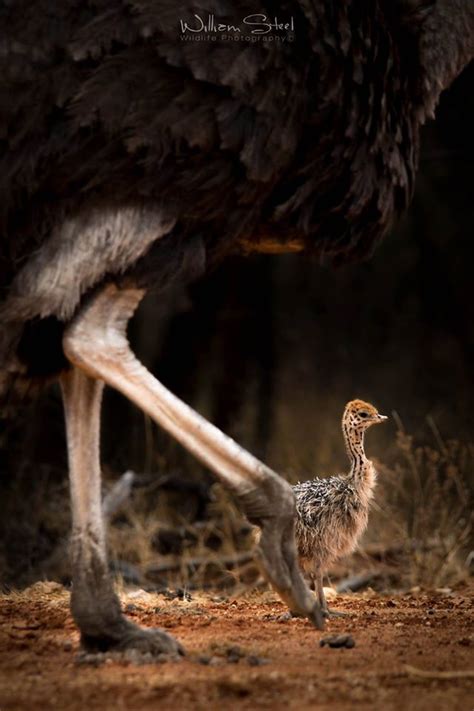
132 157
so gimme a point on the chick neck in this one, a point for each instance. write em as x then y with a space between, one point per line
354 441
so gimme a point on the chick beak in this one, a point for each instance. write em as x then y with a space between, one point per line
381 418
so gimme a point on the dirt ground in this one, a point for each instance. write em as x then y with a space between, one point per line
412 651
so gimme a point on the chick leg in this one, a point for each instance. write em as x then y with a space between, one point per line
318 577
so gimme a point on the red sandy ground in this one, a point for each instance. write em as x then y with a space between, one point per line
431 631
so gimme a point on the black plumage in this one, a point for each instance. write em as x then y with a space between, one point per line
269 146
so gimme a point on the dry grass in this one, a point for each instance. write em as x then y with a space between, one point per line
421 526
203 553
424 507
422 519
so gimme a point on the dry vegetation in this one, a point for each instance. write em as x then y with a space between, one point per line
420 532
182 532
426 505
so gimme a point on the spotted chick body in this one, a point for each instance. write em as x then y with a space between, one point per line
332 512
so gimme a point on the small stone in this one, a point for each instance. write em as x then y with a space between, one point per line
183 594
215 662
94 660
234 655
204 659
398 624
275 676
254 661
139 595
338 641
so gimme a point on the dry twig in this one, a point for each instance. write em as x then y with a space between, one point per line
422 674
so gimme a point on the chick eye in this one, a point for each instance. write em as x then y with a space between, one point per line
364 414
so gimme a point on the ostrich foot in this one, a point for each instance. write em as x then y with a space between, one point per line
135 644
334 613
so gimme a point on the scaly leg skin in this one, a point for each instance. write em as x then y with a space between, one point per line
96 343
318 578
94 605
287 616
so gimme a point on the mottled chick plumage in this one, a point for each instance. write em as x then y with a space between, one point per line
332 513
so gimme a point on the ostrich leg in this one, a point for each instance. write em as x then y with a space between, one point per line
96 343
94 604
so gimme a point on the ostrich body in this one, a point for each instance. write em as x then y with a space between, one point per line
332 513
132 159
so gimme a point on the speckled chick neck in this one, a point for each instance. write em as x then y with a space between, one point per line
354 440
357 418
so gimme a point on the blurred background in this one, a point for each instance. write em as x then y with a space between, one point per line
270 349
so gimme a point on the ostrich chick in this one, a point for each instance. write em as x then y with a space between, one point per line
332 513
